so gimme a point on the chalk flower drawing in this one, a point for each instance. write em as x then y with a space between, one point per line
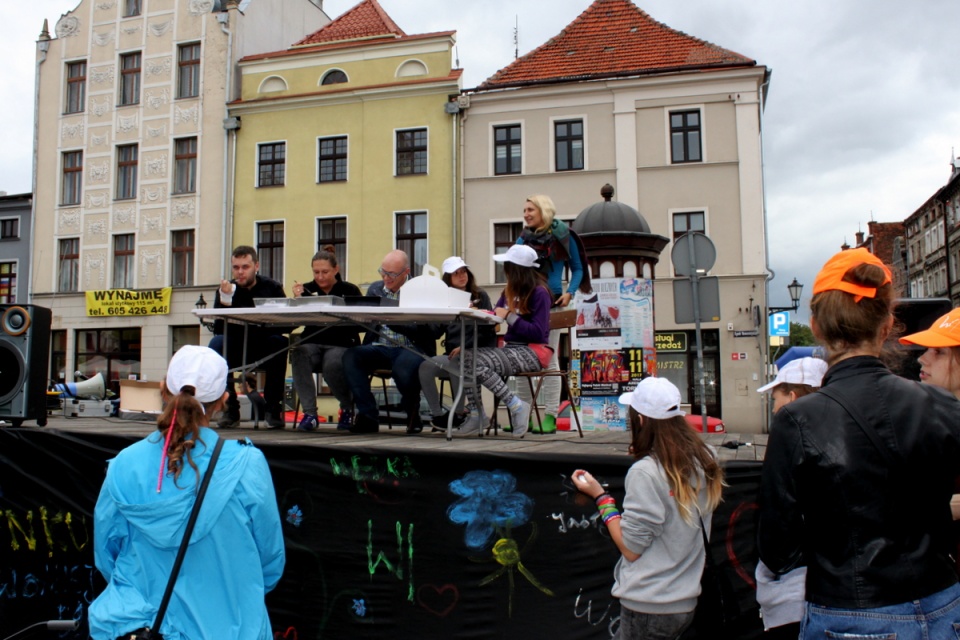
488 501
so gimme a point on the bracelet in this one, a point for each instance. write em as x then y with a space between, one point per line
610 518
602 496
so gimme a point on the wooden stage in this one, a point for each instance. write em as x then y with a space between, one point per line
563 443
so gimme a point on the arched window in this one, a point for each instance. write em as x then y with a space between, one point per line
336 76
272 84
411 68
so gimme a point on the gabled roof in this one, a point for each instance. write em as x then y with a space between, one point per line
613 38
364 21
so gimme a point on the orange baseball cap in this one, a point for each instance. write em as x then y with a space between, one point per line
831 275
944 332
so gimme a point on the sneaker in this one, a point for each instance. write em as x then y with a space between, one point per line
414 424
365 424
440 421
345 420
227 421
275 421
307 423
520 417
548 425
472 425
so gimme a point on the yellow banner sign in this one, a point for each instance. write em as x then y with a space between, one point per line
122 302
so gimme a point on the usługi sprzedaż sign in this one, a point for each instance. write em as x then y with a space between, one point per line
123 302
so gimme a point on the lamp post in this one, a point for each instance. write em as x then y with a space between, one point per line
202 304
795 289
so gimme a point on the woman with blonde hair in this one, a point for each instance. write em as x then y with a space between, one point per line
558 249
857 478
671 492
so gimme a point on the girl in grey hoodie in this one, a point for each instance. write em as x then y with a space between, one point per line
671 489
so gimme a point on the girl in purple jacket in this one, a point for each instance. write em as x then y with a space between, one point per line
525 307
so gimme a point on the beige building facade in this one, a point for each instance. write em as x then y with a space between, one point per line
130 152
681 145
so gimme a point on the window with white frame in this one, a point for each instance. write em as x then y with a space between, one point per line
185 165
687 221
333 231
9 228
69 265
123 261
188 70
271 164
182 257
412 238
72 179
332 160
270 249
568 144
411 152
685 136
130 78
127 163
507 150
76 86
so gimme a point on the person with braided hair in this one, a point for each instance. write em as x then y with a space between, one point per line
236 553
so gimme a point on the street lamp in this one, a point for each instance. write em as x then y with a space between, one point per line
795 289
202 304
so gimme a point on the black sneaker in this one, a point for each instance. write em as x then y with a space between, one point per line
414 425
365 424
275 421
440 422
227 421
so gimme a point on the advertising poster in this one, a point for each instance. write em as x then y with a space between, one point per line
614 342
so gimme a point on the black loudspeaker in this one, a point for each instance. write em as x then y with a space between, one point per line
24 359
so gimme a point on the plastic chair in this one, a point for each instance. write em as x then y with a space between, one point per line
384 375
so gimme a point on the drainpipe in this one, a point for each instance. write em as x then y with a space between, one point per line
454 164
43 46
765 347
227 209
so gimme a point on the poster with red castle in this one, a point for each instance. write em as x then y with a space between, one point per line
613 348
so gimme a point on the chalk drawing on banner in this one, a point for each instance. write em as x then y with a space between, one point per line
439 601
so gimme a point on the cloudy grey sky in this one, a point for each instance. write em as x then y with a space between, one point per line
863 110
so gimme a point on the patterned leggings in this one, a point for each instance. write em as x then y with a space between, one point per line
495 365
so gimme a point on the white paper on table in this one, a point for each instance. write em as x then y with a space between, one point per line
429 292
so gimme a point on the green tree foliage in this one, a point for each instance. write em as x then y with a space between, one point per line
801 335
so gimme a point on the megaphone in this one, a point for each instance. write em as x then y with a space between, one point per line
91 388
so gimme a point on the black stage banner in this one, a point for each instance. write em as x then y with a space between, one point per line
437 544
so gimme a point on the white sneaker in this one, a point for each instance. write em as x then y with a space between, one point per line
472 425
520 418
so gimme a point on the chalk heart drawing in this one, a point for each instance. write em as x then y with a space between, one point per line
439 601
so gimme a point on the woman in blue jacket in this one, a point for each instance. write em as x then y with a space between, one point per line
557 250
236 553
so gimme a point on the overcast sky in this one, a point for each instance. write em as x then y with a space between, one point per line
862 115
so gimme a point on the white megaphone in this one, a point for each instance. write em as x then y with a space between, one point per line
92 388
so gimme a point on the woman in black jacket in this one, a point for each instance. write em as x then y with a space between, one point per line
857 478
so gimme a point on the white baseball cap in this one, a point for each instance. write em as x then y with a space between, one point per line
451 264
199 367
654 398
519 254
800 371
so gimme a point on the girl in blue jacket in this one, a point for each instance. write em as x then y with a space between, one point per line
236 554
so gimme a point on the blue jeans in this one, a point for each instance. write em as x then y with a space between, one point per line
360 362
651 626
936 617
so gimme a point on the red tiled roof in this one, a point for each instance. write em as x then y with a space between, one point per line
613 38
366 20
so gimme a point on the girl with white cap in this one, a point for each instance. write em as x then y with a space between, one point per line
671 492
236 552
456 274
525 307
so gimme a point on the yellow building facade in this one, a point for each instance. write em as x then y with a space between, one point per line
348 138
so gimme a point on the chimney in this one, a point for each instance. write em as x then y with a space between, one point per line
859 238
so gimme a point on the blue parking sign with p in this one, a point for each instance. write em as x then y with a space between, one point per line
780 324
